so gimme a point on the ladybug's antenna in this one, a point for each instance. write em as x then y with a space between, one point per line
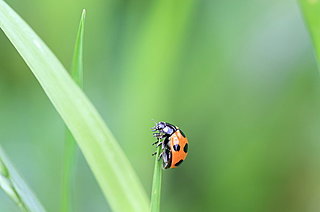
154 121
155 127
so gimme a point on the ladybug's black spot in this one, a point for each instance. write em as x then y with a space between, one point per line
176 147
177 164
182 133
185 148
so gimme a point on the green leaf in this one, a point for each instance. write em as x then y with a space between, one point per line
106 159
77 61
16 188
70 149
156 184
311 11
68 172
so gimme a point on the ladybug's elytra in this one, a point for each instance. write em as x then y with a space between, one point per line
174 144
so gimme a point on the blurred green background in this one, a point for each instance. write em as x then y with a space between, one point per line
239 77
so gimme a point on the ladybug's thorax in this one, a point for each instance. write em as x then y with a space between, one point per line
168 130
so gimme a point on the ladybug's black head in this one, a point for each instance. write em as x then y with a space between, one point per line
160 125
165 128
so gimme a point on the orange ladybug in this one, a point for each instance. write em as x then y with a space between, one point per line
174 144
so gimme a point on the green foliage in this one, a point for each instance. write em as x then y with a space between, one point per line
70 143
311 11
103 154
156 184
77 61
238 77
15 187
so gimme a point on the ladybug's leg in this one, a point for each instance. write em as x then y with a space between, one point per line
165 142
157 135
166 156
156 142
160 155
160 135
153 154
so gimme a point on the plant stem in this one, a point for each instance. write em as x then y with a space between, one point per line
156 185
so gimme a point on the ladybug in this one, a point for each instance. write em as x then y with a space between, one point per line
173 142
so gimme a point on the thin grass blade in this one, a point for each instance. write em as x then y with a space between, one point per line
16 188
114 173
156 185
68 174
77 61
70 149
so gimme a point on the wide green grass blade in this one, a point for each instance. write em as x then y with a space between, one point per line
70 149
156 184
16 188
109 164
311 11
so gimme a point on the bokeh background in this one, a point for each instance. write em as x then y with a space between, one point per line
239 77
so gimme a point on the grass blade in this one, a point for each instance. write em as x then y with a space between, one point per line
77 61
68 172
70 144
311 11
15 187
106 159
156 185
